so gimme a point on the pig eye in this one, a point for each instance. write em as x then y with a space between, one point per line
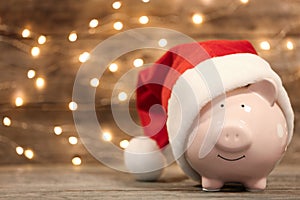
247 108
222 105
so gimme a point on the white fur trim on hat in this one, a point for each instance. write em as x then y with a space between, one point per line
144 159
209 79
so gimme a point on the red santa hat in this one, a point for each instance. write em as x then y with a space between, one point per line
171 93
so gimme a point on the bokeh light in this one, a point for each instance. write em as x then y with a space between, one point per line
138 62
73 106
57 130
29 154
6 121
76 161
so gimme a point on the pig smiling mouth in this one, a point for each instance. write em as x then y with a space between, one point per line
235 159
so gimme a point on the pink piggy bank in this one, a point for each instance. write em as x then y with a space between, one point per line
248 146
221 111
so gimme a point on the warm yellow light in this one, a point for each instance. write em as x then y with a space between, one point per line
93 23
106 136
144 20
40 83
85 56
19 101
197 18
76 161
31 74
26 33
73 140
57 130
265 45
29 154
138 62
162 42
6 121
19 150
145 1
113 67
116 5
118 26
35 51
73 36
42 39
289 45
73 106
124 144
244 1
94 82
122 96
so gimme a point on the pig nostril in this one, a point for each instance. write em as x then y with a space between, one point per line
236 138
227 136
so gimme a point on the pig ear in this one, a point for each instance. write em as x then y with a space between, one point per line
267 89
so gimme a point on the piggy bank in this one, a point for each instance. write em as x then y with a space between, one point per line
252 138
221 111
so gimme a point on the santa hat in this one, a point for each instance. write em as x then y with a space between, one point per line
171 93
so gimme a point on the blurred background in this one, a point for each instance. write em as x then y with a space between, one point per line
43 43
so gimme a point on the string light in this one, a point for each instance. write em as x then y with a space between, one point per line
162 42
76 161
94 82
197 18
26 33
122 96
289 45
85 56
138 62
144 20
124 144
57 130
244 1
42 39
146 1
118 26
19 101
35 51
116 5
40 83
31 74
73 106
19 150
113 67
72 36
73 140
106 136
29 154
265 45
93 23
6 121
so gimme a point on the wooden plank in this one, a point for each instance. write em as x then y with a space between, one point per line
99 182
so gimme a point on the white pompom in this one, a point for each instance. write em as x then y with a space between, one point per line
144 159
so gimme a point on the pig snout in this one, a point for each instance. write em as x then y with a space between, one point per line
234 139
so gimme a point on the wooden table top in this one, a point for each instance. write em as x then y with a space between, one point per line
100 182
